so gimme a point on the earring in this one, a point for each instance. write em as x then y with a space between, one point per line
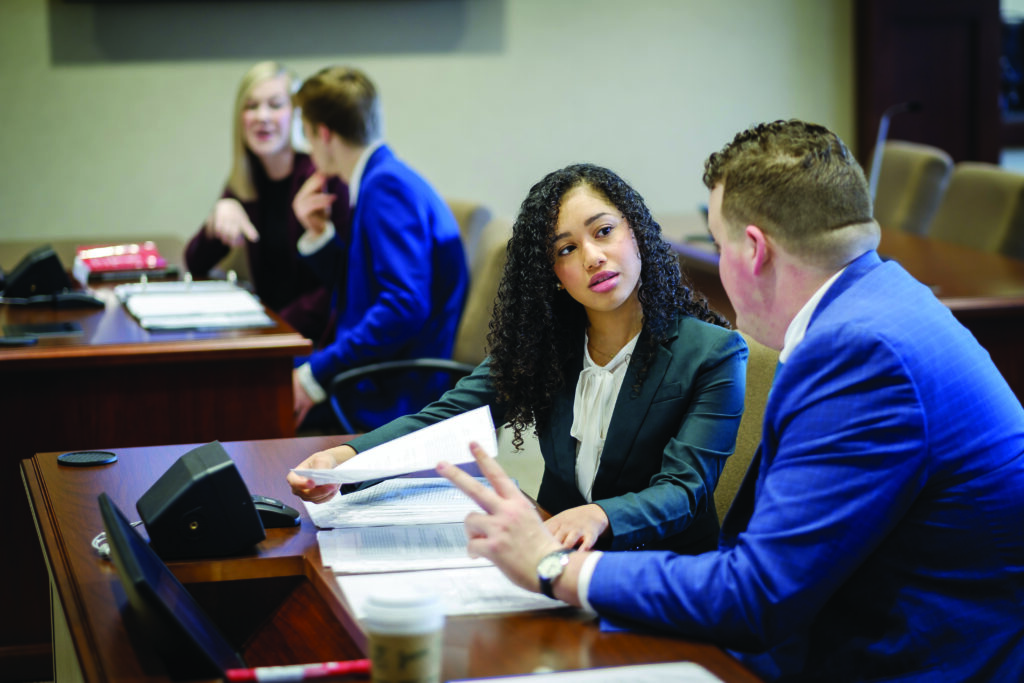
558 286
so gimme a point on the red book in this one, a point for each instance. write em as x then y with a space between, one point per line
127 259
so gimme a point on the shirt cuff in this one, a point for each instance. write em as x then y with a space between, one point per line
583 580
315 391
311 243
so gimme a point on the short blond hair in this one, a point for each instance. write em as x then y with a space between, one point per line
799 183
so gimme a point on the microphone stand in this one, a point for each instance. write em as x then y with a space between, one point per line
883 133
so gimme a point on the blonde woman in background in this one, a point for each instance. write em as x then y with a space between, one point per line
255 208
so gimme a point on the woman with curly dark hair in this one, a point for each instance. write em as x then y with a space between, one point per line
633 385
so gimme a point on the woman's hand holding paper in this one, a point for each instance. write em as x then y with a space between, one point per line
306 488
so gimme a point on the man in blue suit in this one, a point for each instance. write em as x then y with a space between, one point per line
399 270
879 532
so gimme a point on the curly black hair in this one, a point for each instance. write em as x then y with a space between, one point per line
536 327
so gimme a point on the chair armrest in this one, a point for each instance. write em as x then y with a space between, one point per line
343 383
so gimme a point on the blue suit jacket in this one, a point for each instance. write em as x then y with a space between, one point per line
666 443
878 534
400 273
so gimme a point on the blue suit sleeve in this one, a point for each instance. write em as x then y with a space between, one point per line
329 261
842 461
394 239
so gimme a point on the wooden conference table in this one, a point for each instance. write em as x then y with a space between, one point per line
984 290
116 385
279 604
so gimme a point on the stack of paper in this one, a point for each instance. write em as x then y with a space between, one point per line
431 500
667 672
130 289
398 525
421 450
362 550
195 307
476 590
410 531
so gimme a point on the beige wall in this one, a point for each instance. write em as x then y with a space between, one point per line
114 117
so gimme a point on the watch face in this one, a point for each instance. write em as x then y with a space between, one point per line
551 566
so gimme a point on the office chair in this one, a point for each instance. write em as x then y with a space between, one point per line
364 396
983 208
472 217
760 373
911 182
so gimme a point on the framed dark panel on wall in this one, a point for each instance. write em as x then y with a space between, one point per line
944 56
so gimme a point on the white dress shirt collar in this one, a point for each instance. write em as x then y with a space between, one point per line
357 172
798 326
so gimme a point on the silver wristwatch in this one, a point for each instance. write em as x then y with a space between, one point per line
550 568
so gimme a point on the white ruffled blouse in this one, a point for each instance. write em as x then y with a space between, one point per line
596 393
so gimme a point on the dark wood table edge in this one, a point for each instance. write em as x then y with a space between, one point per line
68 591
307 564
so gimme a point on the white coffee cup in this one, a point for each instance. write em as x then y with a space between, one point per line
405 632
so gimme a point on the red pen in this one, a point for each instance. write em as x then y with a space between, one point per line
298 672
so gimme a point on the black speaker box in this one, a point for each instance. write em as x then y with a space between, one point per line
39 272
200 507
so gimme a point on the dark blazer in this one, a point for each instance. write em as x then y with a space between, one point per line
666 444
877 534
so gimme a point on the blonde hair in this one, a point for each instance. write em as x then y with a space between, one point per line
240 180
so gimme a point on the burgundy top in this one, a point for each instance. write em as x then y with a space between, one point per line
281 277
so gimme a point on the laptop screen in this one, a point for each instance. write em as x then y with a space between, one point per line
166 614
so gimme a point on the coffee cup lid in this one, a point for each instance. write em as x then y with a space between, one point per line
403 612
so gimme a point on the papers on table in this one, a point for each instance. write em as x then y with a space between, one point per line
421 450
430 500
130 289
475 590
192 305
395 548
410 531
397 525
383 539
669 672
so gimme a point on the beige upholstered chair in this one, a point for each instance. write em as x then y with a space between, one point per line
983 208
760 373
911 183
487 264
472 218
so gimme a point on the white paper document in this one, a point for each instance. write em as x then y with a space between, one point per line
204 321
421 450
130 289
421 500
476 590
395 548
197 309
668 672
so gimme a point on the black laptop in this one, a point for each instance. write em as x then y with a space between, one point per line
190 645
